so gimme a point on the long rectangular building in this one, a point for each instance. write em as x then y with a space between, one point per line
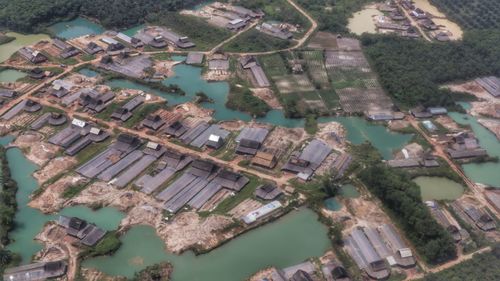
133 171
150 184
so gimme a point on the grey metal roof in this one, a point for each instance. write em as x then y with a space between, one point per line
204 195
194 132
315 152
133 171
255 134
182 198
377 242
151 183
202 139
390 234
14 110
176 187
368 253
194 58
121 165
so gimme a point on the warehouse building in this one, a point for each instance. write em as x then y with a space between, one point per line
153 122
87 233
306 162
252 64
491 84
36 271
125 112
268 192
250 140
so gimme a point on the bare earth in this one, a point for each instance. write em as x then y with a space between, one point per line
39 152
268 96
54 167
50 200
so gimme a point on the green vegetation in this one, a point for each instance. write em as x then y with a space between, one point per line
156 272
108 245
318 189
231 202
256 41
72 191
482 267
401 197
87 57
4 39
198 30
8 203
141 113
242 99
471 14
311 124
412 71
91 150
33 15
333 15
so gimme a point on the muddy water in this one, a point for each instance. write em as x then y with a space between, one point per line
449 25
29 222
237 260
11 75
363 21
7 50
437 188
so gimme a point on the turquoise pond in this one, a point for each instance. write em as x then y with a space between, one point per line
88 72
485 173
332 204
11 75
30 221
75 28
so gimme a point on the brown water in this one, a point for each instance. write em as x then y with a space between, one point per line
449 25
363 21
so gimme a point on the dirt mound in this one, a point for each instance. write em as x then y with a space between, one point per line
54 167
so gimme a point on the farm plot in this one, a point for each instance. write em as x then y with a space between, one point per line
316 68
323 41
293 83
274 65
342 59
362 100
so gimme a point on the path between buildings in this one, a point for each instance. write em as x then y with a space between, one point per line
414 22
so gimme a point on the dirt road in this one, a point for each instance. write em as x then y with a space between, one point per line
414 22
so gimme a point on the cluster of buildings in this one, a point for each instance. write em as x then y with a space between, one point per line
307 271
160 37
231 17
465 145
66 50
396 21
474 216
26 105
375 250
7 95
444 219
424 20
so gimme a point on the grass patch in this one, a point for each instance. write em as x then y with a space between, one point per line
247 192
242 99
255 41
90 151
108 245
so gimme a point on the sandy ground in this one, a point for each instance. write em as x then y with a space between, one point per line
50 200
325 133
39 152
398 124
281 138
492 125
193 110
54 167
414 150
5 128
268 96
448 123
165 67
217 75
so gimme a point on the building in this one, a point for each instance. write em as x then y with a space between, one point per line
8 94
491 84
402 254
250 140
125 112
276 31
32 56
465 145
252 64
153 122
66 49
92 48
215 141
480 217
493 196
306 162
268 192
36 271
364 254
134 42
32 106
37 73
261 212
231 180
437 110
88 234
176 129
266 160
194 58
95 101
159 37
218 61
236 25
202 168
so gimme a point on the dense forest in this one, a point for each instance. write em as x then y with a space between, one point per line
411 71
471 14
482 267
333 15
242 99
401 197
33 15
8 206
